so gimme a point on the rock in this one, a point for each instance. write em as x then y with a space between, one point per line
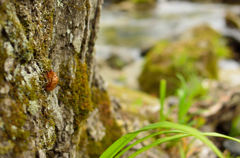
132 5
196 52
232 20
136 102
232 146
233 38
118 61
232 32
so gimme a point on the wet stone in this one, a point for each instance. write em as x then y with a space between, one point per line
232 146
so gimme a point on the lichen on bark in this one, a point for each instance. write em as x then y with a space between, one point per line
37 36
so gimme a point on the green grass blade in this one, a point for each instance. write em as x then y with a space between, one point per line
140 140
157 142
181 150
213 134
162 93
182 95
118 145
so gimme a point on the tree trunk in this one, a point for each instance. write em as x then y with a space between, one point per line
42 35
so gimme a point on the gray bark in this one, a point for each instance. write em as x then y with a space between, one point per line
37 36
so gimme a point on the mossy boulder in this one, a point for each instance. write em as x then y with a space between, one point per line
196 52
232 20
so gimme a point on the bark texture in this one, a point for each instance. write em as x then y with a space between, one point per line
42 35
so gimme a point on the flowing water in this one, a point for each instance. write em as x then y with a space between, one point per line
130 32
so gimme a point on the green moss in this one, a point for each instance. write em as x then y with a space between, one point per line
144 1
30 96
25 93
113 131
36 46
196 54
2 61
13 131
75 92
4 149
95 149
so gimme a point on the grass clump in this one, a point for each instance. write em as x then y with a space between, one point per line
181 131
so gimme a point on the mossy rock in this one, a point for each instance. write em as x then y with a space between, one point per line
197 52
232 20
141 4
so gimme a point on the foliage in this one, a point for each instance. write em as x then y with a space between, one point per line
187 93
163 86
186 96
182 131
235 129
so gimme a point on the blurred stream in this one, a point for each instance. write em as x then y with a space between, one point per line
130 32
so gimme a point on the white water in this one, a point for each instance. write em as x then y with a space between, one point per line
129 32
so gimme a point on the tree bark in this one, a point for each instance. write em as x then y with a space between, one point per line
38 36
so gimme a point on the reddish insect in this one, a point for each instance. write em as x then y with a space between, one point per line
52 80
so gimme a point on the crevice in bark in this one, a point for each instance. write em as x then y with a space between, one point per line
86 32
93 35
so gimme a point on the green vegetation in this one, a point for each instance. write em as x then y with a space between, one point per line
115 150
182 131
196 53
75 92
186 98
163 86
235 128
187 94
100 99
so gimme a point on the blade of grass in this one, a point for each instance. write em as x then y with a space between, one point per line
181 150
118 145
157 142
213 134
182 95
162 93
140 140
